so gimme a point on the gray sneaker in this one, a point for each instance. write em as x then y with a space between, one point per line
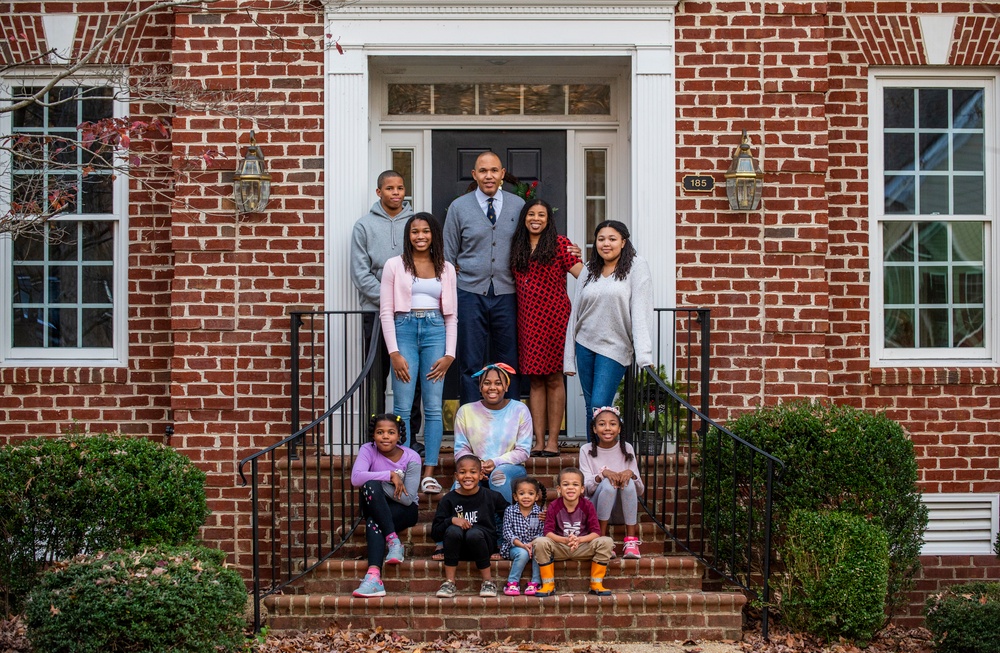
447 591
489 588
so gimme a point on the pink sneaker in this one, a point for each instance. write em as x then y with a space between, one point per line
512 589
531 589
631 551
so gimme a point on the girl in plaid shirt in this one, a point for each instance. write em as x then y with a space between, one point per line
522 523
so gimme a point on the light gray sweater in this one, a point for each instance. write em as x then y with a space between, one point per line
480 250
613 318
375 240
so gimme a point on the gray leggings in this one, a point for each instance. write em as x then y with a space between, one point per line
616 504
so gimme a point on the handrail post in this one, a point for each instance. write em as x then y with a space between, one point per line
767 550
296 399
706 356
255 547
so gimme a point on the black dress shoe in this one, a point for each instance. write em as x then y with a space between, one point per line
418 447
550 454
536 453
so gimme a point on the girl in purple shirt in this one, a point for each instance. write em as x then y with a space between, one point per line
387 475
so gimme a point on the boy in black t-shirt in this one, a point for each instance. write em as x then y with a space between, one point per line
466 522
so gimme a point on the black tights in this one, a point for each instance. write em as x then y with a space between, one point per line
383 515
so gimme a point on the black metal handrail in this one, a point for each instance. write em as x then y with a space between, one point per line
318 513
709 490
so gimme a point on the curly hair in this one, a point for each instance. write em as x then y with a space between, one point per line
621 441
437 244
540 490
624 265
386 417
520 247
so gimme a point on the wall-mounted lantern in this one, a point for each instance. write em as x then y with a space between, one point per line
251 183
744 179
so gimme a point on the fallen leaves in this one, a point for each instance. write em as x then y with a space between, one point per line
892 639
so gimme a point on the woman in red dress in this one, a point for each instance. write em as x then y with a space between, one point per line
540 259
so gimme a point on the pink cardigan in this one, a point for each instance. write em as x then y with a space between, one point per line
396 295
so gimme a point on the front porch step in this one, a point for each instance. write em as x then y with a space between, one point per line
621 617
418 543
649 574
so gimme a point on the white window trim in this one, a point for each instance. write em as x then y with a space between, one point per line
881 356
958 498
117 355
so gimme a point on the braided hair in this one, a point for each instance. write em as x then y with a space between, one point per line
540 490
520 247
595 264
621 441
437 244
386 417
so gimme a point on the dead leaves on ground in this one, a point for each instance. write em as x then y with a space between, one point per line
892 639
382 641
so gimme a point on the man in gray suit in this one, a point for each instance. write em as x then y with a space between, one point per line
478 231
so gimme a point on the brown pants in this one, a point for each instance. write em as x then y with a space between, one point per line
598 550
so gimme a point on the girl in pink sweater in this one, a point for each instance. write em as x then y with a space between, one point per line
419 313
611 477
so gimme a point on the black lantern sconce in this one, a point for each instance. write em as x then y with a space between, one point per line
744 179
251 182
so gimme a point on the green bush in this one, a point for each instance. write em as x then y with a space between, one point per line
60 497
965 618
836 458
176 599
837 569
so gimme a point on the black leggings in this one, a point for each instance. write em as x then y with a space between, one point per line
383 515
473 544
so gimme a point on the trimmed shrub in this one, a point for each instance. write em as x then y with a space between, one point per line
176 599
836 458
60 497
965 618
837 569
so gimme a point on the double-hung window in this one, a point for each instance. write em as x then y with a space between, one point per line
63 276
933 181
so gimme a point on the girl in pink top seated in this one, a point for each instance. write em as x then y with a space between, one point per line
419 313
611 477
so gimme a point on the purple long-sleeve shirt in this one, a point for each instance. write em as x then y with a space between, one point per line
371 465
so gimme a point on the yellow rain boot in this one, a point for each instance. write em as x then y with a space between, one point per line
597 571
548 575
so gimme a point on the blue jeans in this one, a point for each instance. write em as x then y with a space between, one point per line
599 378
488 335
518 561
421 343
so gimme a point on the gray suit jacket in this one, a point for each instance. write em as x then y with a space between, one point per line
480 250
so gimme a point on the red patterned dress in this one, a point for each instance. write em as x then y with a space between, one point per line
543 309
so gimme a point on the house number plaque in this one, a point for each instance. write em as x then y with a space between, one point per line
698 183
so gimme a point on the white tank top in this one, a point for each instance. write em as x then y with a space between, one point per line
425 294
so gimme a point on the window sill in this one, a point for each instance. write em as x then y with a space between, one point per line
65 374
935 375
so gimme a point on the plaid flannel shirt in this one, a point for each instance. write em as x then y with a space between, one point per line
516 525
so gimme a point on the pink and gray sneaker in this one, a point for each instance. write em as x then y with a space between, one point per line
512 589
631 551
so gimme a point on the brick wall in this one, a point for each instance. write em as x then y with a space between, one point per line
788 284
236 277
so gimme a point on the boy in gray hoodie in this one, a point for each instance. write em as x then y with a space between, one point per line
377 237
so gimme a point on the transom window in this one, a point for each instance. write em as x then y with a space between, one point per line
64 271
933 207
500 99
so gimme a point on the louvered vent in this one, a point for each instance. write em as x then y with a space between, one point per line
961 523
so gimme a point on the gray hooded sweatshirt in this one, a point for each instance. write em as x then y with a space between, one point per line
376 239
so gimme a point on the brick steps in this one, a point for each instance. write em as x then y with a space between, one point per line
632 616
652 573
656 598
418 543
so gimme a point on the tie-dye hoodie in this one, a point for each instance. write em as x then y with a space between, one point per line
503 436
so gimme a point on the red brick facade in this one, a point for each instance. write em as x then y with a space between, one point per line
209 293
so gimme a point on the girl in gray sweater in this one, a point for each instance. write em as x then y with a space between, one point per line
612 317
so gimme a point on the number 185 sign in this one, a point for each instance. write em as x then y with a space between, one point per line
698 183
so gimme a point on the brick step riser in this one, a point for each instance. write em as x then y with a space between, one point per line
424 549
622 617
471 582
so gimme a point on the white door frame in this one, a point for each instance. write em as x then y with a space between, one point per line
581 32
